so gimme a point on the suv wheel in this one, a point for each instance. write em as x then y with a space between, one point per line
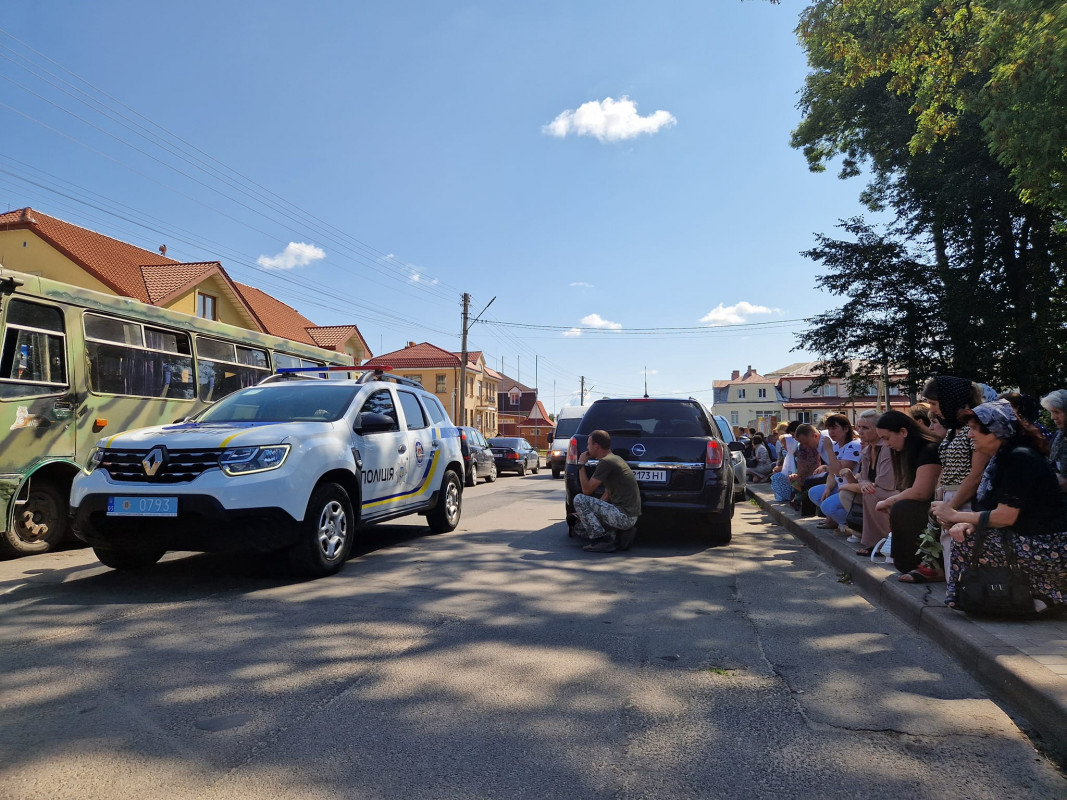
444 517
472 474
491 475
326 534
720 526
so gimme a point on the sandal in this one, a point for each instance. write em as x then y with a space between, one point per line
922 574
865 552
827 524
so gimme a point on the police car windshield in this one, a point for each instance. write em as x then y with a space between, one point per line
302 401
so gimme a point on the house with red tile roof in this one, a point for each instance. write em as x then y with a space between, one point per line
750 400
439 371
800 401
37 243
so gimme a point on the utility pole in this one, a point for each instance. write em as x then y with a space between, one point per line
467 322
582 396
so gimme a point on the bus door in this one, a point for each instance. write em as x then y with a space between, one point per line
37 410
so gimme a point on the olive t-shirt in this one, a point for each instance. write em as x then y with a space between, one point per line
619 480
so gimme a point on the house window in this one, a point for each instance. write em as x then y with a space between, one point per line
831 390
804 416
416 378
762 393
733 418
740 394
207 306
440 383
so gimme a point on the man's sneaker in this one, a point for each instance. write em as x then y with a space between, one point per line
572 519
623 539
601 546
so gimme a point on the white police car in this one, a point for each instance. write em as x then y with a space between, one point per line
287 465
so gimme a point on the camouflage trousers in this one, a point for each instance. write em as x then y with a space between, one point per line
595 515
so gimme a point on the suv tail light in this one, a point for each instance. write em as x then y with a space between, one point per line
572 451
714 458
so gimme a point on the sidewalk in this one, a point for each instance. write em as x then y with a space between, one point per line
1023 663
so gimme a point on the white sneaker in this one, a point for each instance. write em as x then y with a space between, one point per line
853 539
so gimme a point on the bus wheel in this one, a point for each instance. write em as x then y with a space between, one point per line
128 559
40 524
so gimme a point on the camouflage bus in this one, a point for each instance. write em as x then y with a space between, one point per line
77 365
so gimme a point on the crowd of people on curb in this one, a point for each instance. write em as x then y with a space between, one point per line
921 487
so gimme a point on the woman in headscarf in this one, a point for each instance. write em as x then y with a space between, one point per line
961 467
1056 405
1019 495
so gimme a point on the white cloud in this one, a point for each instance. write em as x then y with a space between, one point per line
582 284
735 314
570 334
608 120
596 321
296 254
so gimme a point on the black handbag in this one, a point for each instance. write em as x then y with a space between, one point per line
854 520
993 590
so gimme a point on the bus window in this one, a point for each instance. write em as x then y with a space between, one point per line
225 367
283 361
133 359
33 357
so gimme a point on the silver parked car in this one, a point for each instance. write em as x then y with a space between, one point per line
737 456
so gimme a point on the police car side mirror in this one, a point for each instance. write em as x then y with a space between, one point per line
373 422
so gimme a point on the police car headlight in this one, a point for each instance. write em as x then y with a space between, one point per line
245 460
96 456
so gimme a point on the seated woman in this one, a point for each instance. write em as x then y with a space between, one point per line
872 483
787 465
840 450
1056 405
761 458
916 469
1019 495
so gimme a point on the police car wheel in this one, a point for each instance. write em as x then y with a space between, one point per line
128 559
444 517
326 532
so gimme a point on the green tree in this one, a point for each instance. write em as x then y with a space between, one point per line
993 263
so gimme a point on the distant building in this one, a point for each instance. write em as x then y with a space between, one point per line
807 405
750 400
438 370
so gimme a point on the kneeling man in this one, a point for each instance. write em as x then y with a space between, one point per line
608 520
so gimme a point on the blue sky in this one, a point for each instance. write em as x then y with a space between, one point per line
606 170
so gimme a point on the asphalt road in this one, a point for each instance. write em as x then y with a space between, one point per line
498 661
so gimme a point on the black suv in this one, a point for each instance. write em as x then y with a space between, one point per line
675 451
478 461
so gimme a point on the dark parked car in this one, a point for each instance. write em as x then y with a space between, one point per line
513 454
676 453
478 461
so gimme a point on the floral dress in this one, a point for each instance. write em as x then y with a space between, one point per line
1019 477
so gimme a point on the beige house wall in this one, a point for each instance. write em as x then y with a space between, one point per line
25 251
480 402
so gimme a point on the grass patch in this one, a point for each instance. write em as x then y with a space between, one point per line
724 671
844 577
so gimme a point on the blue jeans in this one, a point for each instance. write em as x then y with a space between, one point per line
831 506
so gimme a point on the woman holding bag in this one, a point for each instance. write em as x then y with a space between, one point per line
1019 495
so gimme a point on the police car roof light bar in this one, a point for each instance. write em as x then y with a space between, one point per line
286 370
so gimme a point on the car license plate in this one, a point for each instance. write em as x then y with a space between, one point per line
142 506
651 475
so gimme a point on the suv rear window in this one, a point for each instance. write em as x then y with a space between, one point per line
646 418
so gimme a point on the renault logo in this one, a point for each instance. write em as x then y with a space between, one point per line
155 459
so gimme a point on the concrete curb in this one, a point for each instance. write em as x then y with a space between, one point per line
1035 692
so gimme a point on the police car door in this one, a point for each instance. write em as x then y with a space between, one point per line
424 469
385 456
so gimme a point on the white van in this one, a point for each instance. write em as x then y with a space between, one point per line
566 424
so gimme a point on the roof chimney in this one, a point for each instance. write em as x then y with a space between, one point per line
27 216
162 249
410 344
735 374
750 371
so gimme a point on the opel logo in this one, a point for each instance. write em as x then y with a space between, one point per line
638 449
155 459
